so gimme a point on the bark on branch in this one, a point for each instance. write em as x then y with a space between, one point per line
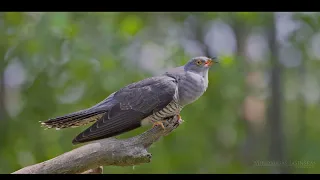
89 158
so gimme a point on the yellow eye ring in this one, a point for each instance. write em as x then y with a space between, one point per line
198 62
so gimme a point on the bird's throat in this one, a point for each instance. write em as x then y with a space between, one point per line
191 87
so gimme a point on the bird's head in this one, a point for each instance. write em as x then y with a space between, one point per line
200 64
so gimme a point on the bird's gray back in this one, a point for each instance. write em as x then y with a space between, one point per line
173 108
162 84
127 107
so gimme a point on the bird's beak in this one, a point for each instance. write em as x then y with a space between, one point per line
210 62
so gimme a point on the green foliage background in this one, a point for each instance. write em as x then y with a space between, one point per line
57 63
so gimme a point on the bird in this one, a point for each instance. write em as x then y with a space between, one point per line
150 101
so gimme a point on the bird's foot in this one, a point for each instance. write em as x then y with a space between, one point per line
158 123
180 120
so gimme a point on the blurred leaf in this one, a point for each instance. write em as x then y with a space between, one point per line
59 19
131 24
307 19
247 15
108 64
226 61
72 31
14 18
80 69
59 23
251 18
32 46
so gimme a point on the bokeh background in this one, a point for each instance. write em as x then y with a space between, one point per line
260 113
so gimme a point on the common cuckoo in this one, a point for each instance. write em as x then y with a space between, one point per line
149 101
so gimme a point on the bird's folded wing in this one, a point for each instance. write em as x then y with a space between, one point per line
129 106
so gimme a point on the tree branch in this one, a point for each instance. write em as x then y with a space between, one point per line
98 170
106 152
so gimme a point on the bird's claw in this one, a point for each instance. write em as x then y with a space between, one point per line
158 123
180 120
172 123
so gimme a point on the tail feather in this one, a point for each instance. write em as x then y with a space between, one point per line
75 119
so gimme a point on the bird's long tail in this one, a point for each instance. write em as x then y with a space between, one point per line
75 119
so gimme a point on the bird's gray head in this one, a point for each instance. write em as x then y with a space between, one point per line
200 65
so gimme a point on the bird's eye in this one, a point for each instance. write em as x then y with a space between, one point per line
198 62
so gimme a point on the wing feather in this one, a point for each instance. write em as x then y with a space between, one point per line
131 104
